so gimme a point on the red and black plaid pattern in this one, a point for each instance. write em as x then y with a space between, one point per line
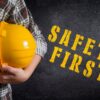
15 11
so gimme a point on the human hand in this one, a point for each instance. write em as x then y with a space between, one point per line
13 75
18 75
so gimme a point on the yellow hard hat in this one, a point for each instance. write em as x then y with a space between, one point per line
17 45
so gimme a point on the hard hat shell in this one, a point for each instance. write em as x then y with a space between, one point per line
17 45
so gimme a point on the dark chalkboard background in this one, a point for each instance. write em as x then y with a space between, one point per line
50 82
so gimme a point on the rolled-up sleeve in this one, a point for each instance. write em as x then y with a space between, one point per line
21 15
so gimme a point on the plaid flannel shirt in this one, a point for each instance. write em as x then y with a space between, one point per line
15 11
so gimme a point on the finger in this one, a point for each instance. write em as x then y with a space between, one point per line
8 69
4 79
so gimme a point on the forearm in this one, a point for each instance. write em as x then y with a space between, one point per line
35 61
21 15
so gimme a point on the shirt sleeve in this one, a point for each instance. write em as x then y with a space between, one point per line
21 15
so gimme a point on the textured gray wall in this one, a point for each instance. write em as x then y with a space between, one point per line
50 82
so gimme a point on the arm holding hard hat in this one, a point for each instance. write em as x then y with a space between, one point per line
18 75
24 17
